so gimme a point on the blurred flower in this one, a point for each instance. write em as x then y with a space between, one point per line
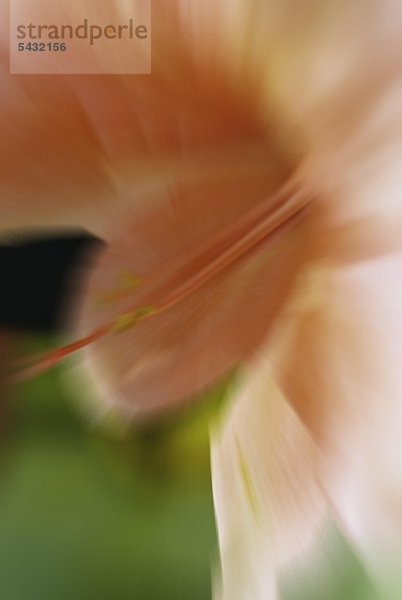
251 194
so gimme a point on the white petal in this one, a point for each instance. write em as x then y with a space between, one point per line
268 504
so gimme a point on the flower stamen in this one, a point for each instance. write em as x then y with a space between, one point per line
261 226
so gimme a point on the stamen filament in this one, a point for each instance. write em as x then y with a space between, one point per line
256 228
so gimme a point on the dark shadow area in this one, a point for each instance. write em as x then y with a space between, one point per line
36 279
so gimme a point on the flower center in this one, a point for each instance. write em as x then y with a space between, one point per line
261 226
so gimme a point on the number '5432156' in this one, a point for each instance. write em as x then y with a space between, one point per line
42 47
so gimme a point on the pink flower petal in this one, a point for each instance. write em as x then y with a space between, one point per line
338 363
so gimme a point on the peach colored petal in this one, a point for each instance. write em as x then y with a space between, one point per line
52 167
216 275
82 150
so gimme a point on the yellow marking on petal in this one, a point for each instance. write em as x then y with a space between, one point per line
128 320
248 485
145 311
128 282
124 322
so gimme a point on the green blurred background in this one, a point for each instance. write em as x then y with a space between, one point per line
87 512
